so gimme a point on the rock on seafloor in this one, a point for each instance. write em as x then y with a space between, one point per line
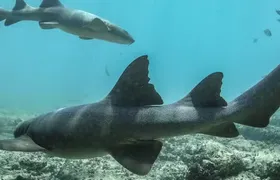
190 157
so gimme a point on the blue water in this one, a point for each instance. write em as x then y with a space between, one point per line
185 39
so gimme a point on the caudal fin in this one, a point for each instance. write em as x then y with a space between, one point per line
256 106
19 6
3 14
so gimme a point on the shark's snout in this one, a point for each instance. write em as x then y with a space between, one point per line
121 36
130 39
125 38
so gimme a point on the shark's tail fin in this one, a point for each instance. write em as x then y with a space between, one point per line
256 106
19 6
3 14
253 108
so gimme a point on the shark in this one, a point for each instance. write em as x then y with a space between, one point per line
52 14
131 121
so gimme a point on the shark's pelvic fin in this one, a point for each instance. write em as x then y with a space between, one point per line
206 93
9 22
133 87
138 157
51 3
227 130
23 143
48 25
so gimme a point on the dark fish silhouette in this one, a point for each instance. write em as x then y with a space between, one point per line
267 32
255 40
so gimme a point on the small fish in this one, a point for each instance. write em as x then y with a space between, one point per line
52 14
130 121
267 32
278 12
255 40
106 71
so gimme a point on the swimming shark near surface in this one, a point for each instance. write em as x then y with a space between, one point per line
52 15
130 121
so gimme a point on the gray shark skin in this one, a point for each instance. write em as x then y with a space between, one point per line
52 14
130 120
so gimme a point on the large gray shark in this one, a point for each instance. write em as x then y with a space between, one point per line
52 14
130 120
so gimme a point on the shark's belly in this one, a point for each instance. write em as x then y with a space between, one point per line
71 141
87 33
77 153
78 31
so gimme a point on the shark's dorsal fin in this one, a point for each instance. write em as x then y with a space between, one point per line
206 93
51 3
133 87
20 4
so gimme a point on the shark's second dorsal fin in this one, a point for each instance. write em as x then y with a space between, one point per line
206 93
20 5
133 87
51 3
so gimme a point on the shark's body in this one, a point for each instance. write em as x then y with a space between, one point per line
129 121
52 14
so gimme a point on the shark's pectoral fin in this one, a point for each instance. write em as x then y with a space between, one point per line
48 25
97 25
23 143
227 130
138 157
85 38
